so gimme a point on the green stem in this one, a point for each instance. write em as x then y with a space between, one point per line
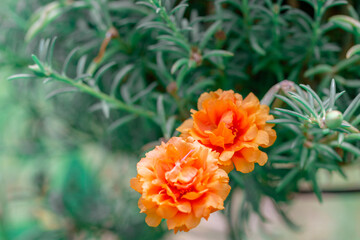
161 11
100 95
319 11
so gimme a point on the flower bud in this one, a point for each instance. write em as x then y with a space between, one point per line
37 71
333 119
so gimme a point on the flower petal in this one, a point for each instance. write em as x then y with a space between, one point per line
262 138
242 165
136 184
184 206
226 155
262 159
186 125
166 211
152 219
251 133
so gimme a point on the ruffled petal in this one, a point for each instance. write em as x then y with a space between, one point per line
136 184
242 165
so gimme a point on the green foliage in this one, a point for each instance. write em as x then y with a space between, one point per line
143 65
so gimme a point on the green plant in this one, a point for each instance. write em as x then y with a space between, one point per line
147 62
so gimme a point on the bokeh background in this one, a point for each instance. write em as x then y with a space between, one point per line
63 175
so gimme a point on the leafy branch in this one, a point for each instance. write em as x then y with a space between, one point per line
82 83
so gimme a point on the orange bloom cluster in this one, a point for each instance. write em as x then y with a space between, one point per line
185 179
180 181
232 126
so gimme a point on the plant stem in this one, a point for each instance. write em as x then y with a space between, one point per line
100 95
161 11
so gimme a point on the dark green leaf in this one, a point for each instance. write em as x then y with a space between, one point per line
287 179
354 105
328 151
209 33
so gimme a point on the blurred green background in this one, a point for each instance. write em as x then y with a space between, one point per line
61 174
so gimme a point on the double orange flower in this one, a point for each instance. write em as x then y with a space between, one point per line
186 178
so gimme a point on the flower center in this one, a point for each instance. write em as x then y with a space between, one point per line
180 178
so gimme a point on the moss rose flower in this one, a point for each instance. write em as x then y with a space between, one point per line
180 181
233 126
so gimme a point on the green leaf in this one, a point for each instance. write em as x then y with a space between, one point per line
147 4
144 92
125 93
353 50
286 147
237 177
181 76
316 189
105 109
255 46
347 147
289 102
352 137
80 68
155 25
281 159
201 85
21 76
161 114
352 12
303 104
311 159
328 151
292 113
218 53
283 121
43 48
51 51
346 63
178 7
299 91
356 120
341 138
209 33
61 91
351 83
317 98
38 62
178 64
48 14
102 71
68 59
170 126
125 7
121 121
330 4
332 94
349 112
287 179
44 17
337 96
303 156
119 77
319 69
343 19
178 41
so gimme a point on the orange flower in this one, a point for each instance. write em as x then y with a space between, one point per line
232 126
180 181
